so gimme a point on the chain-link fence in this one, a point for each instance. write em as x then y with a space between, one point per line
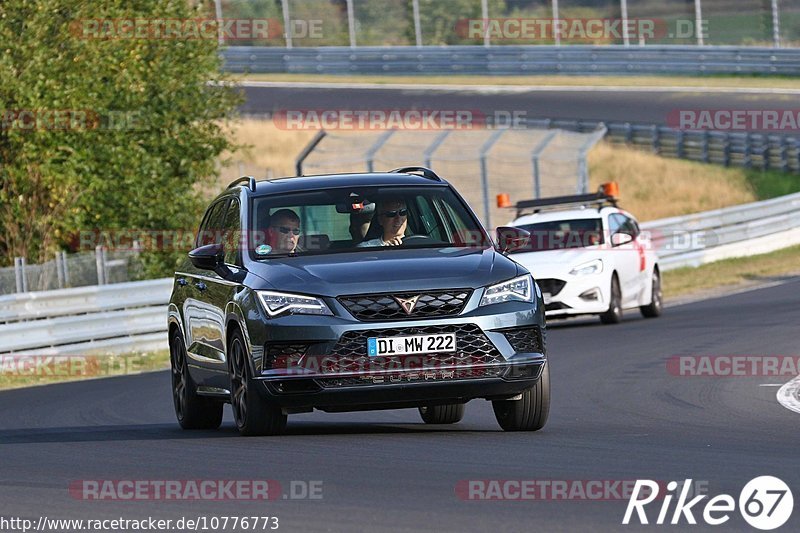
312 23
100 267
527 163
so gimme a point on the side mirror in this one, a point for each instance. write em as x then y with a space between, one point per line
618 239
510 239
208 257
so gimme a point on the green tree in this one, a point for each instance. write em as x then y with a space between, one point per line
100 130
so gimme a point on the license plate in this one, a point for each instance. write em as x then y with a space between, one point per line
411 344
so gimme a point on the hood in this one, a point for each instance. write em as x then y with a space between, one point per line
386 270
556 263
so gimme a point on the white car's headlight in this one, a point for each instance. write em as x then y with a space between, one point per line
279 303
585 269
514 290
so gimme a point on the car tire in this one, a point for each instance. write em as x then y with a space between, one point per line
442 414
191 410
253 415
656 305
614 313
531 412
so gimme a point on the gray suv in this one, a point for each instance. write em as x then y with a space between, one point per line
353 292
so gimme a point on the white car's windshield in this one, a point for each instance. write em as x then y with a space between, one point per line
563 234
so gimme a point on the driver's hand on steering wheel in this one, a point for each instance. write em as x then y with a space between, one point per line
397 241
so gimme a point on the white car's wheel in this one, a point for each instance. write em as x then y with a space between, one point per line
656 305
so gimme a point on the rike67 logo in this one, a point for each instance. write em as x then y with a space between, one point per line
765 503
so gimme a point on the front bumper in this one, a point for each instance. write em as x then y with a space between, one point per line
579 296
501 353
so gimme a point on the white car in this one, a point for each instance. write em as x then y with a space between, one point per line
589 257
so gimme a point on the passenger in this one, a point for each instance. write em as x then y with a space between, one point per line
359 222
283 232
392 217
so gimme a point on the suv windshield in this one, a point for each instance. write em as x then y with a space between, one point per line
563 234
347 220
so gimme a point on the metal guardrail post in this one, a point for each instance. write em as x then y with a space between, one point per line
776 25
487 41
287 23
218 12
535 155
298 164
655 140
417 27
370 155
485 174
726 150
556 29
705 156
351 23
698 22
98 261
59 271
680 146
65 265
20 274
626 38
748 151
428 155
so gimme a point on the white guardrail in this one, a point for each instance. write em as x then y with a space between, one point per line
126 317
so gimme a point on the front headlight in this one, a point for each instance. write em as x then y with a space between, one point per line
279 303
514 290
585 269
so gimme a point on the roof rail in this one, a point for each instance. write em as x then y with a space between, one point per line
426 172
249 180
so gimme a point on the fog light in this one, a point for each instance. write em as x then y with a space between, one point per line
523 372
592 295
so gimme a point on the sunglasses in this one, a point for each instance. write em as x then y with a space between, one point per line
286 231
392 214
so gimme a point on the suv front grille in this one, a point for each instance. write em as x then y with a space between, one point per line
525 340
551 286
350 353
378 307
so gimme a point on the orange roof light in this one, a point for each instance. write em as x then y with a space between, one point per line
610 189
503 200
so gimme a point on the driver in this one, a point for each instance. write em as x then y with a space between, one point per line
392 216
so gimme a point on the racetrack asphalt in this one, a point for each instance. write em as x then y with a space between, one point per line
610 105
617 414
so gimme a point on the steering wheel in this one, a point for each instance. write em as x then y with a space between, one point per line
416 239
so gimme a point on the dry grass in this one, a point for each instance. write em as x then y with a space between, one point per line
654 187
732 272
268 151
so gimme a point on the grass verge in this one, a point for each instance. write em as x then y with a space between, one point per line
27 371
754 82
730 273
